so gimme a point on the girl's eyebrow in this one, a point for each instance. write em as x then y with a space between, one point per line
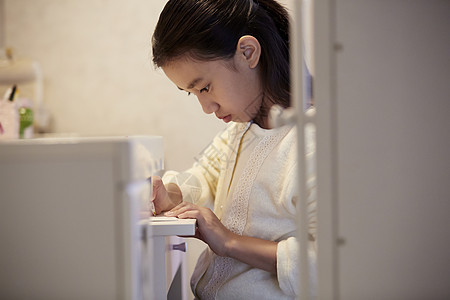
192 84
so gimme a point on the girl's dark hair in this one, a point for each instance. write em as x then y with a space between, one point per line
211 29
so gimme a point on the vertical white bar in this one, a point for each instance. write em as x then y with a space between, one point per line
324 93
297 103
129 207
159 267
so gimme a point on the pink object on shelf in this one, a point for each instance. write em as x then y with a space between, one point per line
9 119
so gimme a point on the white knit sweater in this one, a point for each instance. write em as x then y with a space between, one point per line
253 195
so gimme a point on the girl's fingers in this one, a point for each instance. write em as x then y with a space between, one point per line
180 208
189 214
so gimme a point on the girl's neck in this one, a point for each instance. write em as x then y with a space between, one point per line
262 122
262 118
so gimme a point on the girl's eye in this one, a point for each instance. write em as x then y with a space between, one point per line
205 89
189 93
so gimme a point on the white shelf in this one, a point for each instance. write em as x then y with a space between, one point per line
184 227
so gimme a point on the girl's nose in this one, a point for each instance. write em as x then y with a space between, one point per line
208 105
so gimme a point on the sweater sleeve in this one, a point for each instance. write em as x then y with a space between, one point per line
287 266
288 272
288 250
199 184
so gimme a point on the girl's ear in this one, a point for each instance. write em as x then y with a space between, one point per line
249 49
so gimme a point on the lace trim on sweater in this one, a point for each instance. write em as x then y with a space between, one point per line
236 219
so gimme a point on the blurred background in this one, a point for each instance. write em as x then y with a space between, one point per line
98 78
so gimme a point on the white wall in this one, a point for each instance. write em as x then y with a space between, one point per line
98 75
2 25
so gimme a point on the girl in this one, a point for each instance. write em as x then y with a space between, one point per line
233 55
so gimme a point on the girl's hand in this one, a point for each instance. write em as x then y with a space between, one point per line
210 229
165 197
256 252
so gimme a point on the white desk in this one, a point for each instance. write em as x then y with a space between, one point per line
169 257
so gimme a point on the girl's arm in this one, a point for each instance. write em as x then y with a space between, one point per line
259 253
256 252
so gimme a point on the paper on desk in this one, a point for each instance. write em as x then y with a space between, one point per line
162 218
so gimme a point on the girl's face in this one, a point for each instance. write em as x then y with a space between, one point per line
232 93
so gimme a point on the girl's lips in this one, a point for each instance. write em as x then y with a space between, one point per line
226 119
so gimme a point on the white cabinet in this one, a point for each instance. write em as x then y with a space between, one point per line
69 213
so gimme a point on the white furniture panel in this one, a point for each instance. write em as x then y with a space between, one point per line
69 210
382 91
169 261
